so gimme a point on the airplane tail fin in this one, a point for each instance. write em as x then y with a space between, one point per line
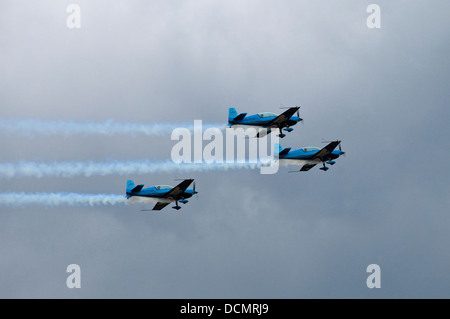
232 113
279 151
130 185
133 190
277 148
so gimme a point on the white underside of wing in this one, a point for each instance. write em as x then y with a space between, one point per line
257 129
287 162
146 200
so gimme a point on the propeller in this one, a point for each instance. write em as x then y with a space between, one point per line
298 114
195 192
340 149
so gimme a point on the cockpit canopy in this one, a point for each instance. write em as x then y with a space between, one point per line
310 149
267 114
163 187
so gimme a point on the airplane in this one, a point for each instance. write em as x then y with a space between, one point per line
165 194
311 156
266 120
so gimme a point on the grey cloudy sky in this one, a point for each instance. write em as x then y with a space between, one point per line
383 92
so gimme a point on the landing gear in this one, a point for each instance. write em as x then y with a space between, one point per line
281 135
324 168
177 207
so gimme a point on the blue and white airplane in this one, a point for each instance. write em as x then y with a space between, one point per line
266 120
311 156
164 194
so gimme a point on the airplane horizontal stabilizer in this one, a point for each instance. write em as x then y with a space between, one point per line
137 189
240 117
284 152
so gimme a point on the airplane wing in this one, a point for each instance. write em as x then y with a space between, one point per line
324 152
160 205
283 117
307 167
179 189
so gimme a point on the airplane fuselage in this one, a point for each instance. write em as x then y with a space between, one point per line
256 120
158 193
305 155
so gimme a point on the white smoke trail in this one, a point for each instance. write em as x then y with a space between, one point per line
88 169
32 127
59 199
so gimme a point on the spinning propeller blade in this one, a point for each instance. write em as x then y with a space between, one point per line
195 192
340 149
298 115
